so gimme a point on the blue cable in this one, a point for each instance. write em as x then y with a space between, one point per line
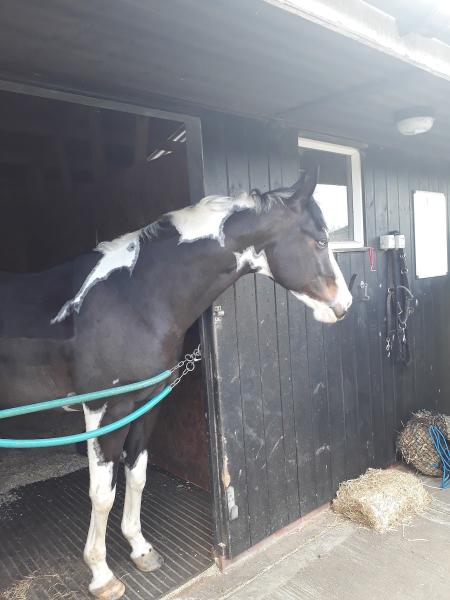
81 398
81 437
443 451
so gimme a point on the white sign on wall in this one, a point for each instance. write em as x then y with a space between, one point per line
430 234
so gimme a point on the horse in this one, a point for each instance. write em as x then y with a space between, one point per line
119 314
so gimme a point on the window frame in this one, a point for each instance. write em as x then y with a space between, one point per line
358 240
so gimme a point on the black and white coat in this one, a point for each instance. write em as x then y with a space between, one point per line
119 315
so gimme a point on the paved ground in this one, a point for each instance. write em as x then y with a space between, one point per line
328 559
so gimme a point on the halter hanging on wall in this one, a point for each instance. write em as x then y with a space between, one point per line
400 301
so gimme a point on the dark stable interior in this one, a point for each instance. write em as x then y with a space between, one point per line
70 177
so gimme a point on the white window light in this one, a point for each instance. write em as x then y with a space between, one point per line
158 154
342 204
179 135
430 215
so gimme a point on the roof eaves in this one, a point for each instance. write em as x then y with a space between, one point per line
366 24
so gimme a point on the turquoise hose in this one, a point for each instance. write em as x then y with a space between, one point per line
81 437
443 451
81 398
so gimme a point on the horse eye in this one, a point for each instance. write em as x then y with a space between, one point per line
322 243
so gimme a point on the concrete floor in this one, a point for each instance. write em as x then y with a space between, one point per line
330 559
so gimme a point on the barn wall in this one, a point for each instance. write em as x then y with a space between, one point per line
302 406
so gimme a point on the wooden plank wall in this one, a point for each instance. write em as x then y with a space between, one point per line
301 406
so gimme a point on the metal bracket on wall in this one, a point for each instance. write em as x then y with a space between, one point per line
233 509
218 313
363 296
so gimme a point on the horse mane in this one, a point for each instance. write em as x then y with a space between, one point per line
255 200
152 230
263 203
225 204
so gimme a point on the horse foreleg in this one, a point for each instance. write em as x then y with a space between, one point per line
143 554
102 491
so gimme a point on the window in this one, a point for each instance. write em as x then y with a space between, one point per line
430 234
338 190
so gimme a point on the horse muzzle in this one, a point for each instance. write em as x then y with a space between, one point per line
326 312
343 299
342 303
340 310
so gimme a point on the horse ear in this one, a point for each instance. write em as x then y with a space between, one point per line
293 190
303 188
286 193
297 186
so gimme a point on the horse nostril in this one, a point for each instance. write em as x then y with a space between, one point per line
340 311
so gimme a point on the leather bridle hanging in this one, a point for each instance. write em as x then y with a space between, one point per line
400 304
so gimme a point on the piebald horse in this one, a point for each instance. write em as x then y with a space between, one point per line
119 315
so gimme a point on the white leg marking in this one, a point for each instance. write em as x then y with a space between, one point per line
131 521
102 498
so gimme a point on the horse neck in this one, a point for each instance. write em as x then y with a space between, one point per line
187 277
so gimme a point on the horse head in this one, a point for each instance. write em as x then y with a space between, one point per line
299 256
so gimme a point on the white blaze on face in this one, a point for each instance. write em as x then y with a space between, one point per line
122 252
255 260
322 312
343 299
207 218
343 296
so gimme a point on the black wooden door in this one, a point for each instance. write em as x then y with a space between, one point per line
248 329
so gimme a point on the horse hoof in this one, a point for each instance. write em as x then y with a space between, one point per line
112 590
149 562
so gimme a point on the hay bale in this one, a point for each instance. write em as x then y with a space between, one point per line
415 444
381 500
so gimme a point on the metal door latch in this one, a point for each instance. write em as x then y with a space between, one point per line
233 509
218 313
364 296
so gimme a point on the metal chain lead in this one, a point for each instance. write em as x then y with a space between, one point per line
188 363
